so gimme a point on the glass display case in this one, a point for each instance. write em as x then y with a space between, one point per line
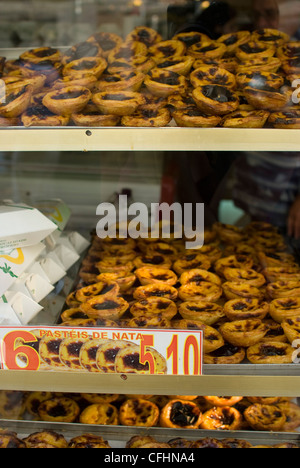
181 104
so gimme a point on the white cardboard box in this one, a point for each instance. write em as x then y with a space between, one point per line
22 226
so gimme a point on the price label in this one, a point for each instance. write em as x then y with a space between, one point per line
173 352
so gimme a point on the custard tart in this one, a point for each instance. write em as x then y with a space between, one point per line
285 290
207 74
10 440
191 38
207 443
181 414
16 102
115 264
179 442
87 81
194 117
254 50
166 49
289 50
270 352
103 289
216 99
9 122
227 354
69 352
147 118
72 314
85 66
234 290
181 65
208 313
260 79
209 49
128 361
265 417
146 35
118 103
160 290
292 413
270 36
67 101
155 260
200 291
291 66
154 306
139 412
266 64
33 401
245 309
285 273
130 81
243 333
197 274
163 83
124 280
156 275
224 418
59 409
286 119
18 82
108 42
91 116
246 119
233 40
274 332
138 441
81 50
109 308
40 54
48 437
127 52
223 401
266 98
102 413
191 261
88 441
233 261
12 404
40 116
291 328
244 276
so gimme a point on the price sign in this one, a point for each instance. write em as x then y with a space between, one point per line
173 352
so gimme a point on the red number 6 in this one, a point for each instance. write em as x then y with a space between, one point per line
11 352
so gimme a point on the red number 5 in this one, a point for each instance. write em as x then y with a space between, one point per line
147 356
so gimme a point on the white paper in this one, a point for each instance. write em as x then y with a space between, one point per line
52 270
38 287
79 243
24 307
8 316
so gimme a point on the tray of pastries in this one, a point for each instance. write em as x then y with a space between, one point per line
241 80
179 421
242 289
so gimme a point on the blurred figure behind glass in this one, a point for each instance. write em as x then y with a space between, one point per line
266 14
